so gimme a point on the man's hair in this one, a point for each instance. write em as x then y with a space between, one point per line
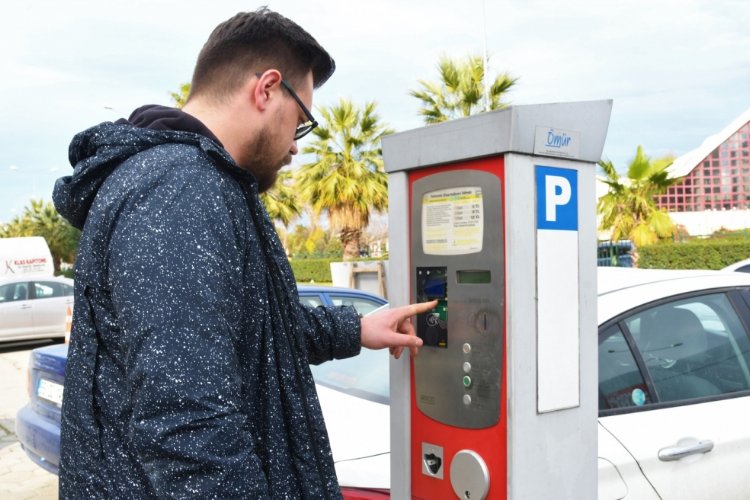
253 42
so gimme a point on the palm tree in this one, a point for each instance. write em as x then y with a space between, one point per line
629 209
40 219
460 91
281 200
347 180
181 97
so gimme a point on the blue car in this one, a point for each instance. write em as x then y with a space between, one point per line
38 423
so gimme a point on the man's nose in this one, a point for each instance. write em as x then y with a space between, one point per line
293 150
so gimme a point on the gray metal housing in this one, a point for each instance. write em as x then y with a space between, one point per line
552 454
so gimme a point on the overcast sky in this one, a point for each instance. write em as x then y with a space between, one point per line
678 70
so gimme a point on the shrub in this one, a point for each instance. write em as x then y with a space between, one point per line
318 270
68 273
695 254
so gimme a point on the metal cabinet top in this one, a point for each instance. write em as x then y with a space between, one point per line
572 130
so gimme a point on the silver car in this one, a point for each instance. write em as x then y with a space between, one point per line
33 307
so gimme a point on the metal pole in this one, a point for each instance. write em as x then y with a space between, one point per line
486 60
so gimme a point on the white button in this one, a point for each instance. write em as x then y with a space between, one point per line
467 367
467 348
467 399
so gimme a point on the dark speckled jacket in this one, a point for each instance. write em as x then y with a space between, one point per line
188 372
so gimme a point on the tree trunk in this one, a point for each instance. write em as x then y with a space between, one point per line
350 241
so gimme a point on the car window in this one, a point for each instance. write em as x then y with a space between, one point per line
621 384
361 304
364 376
12 292
47 289
693 348
68 290
311 300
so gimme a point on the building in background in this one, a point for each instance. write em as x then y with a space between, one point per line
714 190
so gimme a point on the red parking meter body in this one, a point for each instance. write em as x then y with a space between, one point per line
457 233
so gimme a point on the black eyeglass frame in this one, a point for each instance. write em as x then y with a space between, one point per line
303 128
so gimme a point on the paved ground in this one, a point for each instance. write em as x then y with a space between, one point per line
20 478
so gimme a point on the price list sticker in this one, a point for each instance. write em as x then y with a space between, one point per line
452 221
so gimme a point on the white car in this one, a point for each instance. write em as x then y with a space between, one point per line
674 392
34 307
354 396
742 266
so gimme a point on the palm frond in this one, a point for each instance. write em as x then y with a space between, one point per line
629 209
460 90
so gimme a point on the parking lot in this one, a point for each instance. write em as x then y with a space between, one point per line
20 478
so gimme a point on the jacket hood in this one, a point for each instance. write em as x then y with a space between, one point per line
96 152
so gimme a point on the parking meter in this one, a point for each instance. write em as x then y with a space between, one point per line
493 216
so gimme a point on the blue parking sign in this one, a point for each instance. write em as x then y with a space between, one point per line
556 198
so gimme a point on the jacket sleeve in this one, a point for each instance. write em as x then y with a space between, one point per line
331 332
175 270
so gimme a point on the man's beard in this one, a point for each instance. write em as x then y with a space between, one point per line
262 163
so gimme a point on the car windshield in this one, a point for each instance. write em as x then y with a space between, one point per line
364 376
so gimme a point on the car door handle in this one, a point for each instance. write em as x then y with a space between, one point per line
672 453
26 306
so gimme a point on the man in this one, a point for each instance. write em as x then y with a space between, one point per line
188 368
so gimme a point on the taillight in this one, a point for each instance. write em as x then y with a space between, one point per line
68 324
364 494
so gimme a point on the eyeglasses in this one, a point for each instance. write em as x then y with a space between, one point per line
303 128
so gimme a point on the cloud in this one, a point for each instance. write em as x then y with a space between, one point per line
678 70
31 78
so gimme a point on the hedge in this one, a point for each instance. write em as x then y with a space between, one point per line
694 254
305 270
317 270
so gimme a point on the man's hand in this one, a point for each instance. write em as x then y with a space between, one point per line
392 328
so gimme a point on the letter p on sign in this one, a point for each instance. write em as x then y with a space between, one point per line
557 194
557 198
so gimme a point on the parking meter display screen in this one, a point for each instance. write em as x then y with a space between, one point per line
452 221
473 277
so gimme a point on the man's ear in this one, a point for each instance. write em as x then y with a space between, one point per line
264 88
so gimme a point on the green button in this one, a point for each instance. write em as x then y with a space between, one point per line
467 381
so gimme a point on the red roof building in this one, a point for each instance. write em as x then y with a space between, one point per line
714 176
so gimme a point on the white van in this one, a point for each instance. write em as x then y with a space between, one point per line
28 256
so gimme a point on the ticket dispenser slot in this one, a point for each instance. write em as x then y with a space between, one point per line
457 259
